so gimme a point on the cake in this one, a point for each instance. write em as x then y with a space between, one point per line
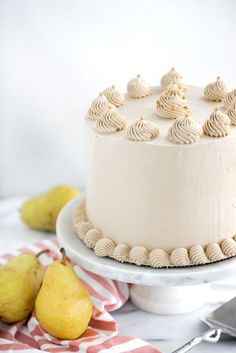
161 174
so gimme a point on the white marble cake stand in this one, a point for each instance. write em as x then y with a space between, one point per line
163 291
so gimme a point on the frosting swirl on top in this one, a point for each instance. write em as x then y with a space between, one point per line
216 91
170 77
142 130
110 121
138 88
175 89
185 131
98 106
171 105
114 97
229 98
232 112
218 124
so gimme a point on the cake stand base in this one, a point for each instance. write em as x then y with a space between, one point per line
169 300
162 291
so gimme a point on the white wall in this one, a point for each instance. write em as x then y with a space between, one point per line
56 55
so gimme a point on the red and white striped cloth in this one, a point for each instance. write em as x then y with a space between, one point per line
101 335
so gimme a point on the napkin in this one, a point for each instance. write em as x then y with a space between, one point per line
101 335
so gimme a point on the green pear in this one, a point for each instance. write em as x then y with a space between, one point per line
63 306
20 280
41 212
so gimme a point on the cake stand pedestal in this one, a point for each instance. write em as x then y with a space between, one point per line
161 291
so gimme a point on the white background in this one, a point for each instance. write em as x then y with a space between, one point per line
56 55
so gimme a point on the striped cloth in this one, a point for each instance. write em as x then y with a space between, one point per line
101 335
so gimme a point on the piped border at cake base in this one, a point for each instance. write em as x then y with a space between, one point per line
139 255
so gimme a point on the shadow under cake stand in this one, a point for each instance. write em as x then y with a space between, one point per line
162 291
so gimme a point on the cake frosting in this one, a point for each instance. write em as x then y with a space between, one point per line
114 96
185 130
171 104
157 258
175 89
172 76
216 91
142 130
110 121
229 98
160 193
218 124
138 88
98 106
232 112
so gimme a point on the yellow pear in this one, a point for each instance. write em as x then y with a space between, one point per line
63 306
20 280
41 212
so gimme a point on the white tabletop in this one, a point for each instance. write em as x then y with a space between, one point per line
165 332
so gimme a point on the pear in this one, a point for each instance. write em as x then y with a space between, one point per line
41 212
20 280
63 306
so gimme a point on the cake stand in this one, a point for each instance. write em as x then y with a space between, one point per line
162 291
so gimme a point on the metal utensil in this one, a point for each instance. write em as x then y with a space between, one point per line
211 335
223 319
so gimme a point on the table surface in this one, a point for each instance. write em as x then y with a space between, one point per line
165 332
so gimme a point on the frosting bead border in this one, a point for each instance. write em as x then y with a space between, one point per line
139 255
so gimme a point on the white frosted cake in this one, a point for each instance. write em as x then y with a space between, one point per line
161 174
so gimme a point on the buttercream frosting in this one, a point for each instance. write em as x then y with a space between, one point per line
157 258
139 255
171 105
82 228
138 88
142 130
198 255
218 124
179 257
114 96
229 98
170 77
185 130
214 252
174 88
104 247
98 107
216 91
228 247
121 252
232 112
110 121
92 237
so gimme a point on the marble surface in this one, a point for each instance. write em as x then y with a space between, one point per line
165 332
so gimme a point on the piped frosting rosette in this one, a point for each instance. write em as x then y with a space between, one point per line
229 98
142 130
138 88
174 88
98 106
171 103
110 121
185 130
216 91
232 112
114 96
172 76
218 124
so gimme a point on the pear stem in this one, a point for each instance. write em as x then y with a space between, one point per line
42 252
63 259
